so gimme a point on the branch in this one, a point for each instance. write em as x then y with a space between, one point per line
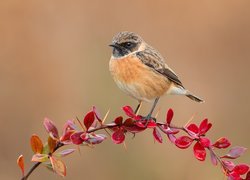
92 123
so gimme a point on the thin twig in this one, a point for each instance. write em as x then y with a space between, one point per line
59 145
38 163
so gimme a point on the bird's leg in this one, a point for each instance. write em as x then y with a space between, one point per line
138 107
148 117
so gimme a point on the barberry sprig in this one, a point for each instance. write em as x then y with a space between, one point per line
86 134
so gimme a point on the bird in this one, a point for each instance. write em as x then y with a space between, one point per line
140 71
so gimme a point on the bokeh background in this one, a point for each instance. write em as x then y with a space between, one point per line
54 63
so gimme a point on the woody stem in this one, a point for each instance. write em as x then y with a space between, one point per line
59 145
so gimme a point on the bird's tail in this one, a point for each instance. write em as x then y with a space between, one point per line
194 98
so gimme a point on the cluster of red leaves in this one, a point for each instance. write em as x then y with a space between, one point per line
86 135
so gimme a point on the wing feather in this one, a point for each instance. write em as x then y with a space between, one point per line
154 60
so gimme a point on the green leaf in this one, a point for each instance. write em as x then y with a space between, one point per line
39 157
46 149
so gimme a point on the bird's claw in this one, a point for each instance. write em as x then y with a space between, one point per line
148 118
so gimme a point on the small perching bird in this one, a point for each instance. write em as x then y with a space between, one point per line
141 72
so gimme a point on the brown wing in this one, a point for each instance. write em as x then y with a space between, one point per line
154 60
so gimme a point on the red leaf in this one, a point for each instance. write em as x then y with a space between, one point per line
229 165
170 115
171 137
20 163
213 158
199 152
157 135
118 120
205 142
222 143
76 138
89 119
241 169
65 152
118 136
134 128
129 111
204 127
234 176
65 139
235 152
183 142
52 144
193 128
130 125
36 144
69 125
129 122
248 176
151 124
51 128
85 136
95 138
168 130
68 129
58 166
140 124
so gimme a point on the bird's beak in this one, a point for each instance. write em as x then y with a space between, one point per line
115 46
118 49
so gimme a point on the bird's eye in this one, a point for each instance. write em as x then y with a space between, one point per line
128 44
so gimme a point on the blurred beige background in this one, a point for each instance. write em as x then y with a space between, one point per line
54 63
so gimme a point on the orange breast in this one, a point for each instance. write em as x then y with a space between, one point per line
137 79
